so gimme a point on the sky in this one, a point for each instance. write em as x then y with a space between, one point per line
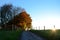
43 12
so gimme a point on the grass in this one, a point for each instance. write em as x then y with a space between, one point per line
48 34
10 35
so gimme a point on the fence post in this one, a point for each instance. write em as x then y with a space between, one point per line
39 27
44 27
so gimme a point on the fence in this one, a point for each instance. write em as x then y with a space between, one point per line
41 27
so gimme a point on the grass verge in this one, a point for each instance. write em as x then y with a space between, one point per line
10 35
48 34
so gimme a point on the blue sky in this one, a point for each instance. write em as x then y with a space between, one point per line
43 12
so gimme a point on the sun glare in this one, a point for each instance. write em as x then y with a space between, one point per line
53 29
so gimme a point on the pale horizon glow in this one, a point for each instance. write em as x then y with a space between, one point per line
49 24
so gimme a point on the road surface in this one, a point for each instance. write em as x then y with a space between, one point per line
26 35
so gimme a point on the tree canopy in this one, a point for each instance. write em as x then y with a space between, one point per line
10 14
23 20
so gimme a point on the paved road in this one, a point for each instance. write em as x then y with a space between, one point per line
26 35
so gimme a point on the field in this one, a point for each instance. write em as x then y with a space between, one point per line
14 35
10 35
48 34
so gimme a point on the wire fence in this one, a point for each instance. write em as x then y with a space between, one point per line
43 27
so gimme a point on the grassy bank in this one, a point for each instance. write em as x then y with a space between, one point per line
10 35
48 34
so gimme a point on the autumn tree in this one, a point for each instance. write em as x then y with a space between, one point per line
23 20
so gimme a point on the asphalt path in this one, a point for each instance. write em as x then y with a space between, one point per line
26 35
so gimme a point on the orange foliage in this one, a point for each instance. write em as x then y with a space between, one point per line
21 19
